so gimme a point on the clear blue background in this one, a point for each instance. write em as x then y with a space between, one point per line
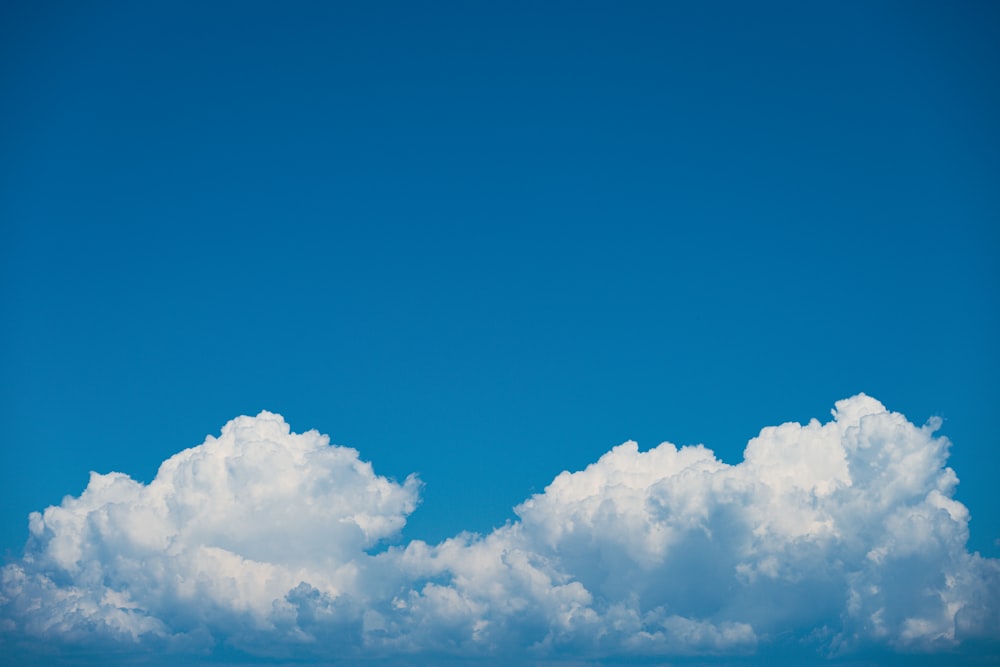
486 242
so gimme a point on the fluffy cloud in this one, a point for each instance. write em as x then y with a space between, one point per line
832 538
211 548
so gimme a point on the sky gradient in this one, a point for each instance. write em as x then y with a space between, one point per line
488 243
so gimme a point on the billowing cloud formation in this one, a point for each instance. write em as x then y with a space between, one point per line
834 537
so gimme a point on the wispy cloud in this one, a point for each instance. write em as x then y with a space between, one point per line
833 538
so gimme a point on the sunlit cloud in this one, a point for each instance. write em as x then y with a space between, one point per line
831 537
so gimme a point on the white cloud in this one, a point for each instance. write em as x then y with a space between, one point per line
212 546
842 536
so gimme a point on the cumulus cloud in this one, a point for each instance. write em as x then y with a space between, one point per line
834 538
213 547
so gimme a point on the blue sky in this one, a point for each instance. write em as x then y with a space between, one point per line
487 243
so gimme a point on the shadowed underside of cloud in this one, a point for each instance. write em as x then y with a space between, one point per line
834 538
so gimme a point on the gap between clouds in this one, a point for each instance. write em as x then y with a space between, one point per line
831 538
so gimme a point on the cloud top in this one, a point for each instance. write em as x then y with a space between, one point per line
830 538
